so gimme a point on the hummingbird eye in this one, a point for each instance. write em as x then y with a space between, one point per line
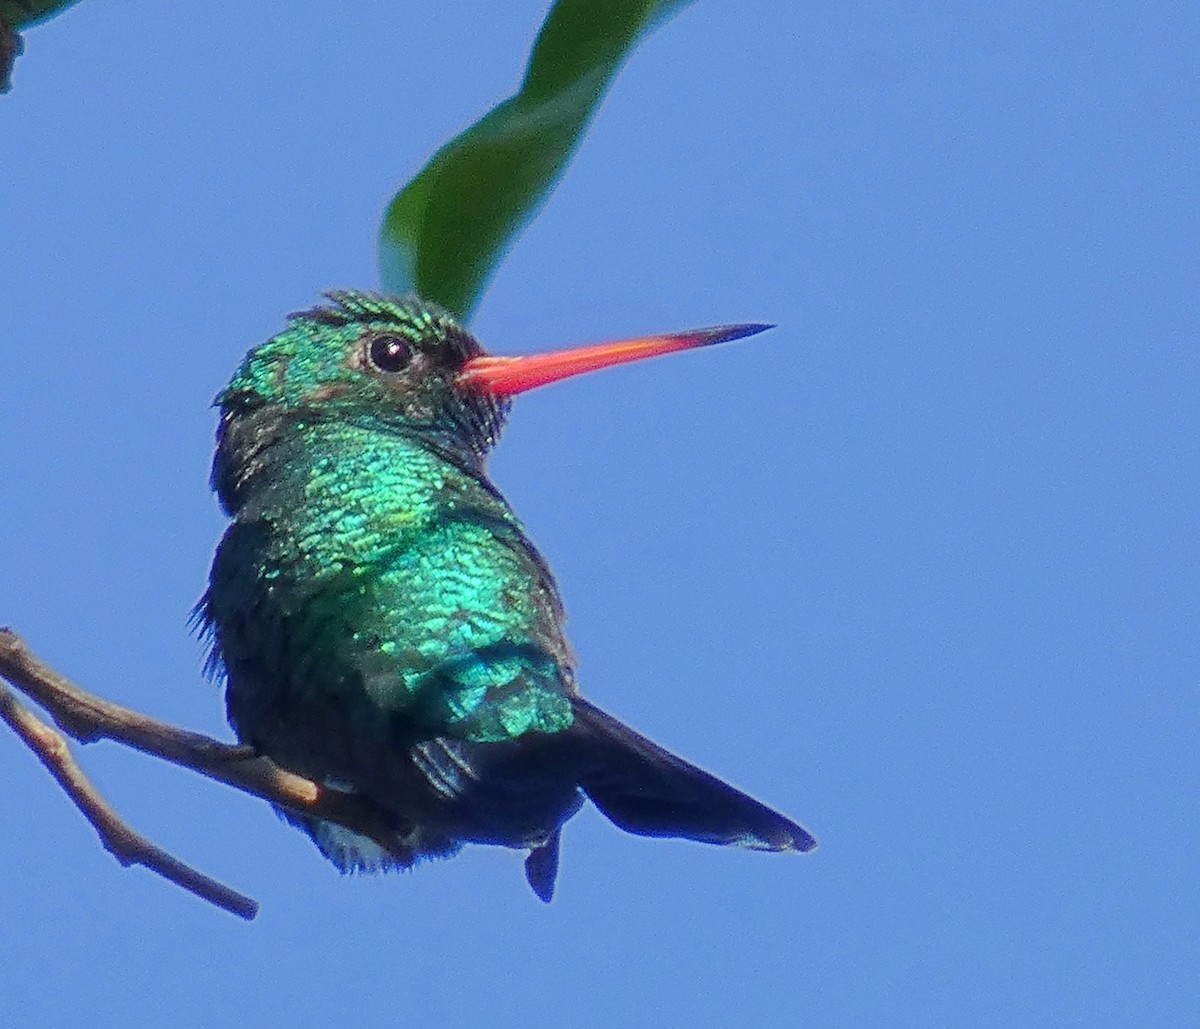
389 354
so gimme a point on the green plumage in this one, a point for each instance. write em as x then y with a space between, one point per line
383 622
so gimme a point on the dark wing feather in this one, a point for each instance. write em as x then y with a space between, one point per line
647 790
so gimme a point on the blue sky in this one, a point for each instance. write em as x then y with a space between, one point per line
918 567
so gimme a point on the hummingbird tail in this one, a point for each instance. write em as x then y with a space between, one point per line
645 789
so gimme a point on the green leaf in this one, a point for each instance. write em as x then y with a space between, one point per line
444 233
21 14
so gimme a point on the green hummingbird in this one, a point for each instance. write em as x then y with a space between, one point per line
382 621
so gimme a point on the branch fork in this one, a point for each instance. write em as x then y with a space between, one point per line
85 718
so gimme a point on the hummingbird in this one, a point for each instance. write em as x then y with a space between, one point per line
385 626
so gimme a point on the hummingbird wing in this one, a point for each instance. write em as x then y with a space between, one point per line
645 789
512 767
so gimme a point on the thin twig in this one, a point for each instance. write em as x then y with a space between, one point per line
87 717
122 842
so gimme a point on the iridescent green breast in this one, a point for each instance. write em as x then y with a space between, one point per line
390 584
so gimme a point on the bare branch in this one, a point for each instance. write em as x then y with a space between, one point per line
126 845
87 717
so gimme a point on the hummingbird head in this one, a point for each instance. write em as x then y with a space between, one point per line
391 361
401 365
